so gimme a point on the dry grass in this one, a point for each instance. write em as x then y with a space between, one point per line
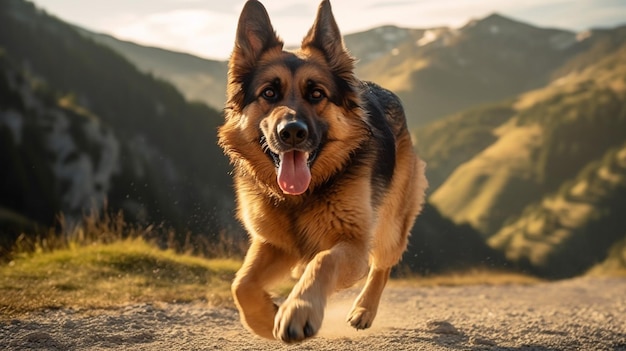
105 262
109 228
109 275
473 276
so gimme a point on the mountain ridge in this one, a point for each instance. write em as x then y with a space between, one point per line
471 65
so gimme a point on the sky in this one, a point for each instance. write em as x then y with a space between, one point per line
206 28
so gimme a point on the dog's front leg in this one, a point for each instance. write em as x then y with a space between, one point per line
300 316
263 265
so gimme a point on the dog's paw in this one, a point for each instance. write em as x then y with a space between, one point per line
361 318
297 320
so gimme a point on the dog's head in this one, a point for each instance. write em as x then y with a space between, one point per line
292 118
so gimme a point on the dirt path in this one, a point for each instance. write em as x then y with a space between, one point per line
578 314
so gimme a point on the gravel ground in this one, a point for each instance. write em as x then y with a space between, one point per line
577 314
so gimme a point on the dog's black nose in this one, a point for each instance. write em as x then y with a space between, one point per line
292 133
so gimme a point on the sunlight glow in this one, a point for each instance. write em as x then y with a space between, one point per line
207 28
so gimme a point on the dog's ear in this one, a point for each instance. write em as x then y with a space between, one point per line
255 35
324 35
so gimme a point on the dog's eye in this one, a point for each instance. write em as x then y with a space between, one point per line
269 94
316 95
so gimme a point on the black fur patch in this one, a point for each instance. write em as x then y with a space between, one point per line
383 137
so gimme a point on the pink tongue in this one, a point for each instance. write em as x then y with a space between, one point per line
294 175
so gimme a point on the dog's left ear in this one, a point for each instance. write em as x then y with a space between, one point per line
325 36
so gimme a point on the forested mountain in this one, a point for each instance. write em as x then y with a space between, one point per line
196 78
162 161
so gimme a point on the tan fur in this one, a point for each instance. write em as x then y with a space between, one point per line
335 229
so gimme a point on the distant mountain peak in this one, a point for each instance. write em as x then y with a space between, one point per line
497 17
498 25
496 21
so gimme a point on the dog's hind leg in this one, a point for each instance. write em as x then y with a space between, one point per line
263 265
366 305
390 241
397 214
386 254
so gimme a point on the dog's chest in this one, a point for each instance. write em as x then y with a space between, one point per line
312 226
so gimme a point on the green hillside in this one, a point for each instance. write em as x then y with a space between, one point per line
570 230
554 133
540 177
451 141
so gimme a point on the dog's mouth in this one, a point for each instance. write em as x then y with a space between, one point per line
293 168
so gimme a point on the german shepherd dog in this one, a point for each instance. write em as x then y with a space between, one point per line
325 175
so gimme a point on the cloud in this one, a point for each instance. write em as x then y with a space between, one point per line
299 9
391 4
205 33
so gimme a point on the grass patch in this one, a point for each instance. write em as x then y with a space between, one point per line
473 276
112 274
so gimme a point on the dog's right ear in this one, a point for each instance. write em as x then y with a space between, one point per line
255 35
